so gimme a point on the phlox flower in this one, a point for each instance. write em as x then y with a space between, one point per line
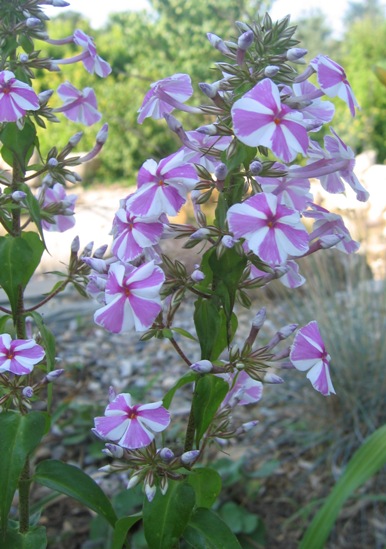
243 389
132 297
163 187
79 106
259 118
271 230
333 80
327 224
294 192
19 356
130 425
165 95
132 234
319 110
199 146
288 274
91 61
308 353
16 98
56 197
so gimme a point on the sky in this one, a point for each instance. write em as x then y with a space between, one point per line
98 10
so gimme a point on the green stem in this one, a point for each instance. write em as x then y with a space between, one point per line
24 487
190 430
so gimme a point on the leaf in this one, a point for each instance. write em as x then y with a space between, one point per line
207 323
184 333
209 393
121 529
72 481
35 538
19 258
48 340
380 73
214 530
206 483
189 377
366 461
166 517
20 435
18 144
33 209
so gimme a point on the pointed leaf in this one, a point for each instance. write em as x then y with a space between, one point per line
121 529
20 435
366 461
214 530
19 143
35 538
189 377
206 483
207 323
72 481
209 393
166 517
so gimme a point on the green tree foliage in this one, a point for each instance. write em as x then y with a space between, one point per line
142 48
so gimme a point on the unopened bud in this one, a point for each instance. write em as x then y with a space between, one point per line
44 96
296 55
74 140
23 58
18 196
52 162
228 241
249 425
245 40
52 376
75 245
150 491
286 331
221 171
115 450
210 90
32 22
133 481
202 367
271 71
272 378
197 275
188 458
100 252
218 43
173 123
259 318
166 454
106 469
28 392
102 134
255 167
163 485
209 129
199 234
112 393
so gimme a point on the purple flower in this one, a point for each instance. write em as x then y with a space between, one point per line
162 188
259 118
308 353
319 110
132 234
243 389
132 298
333 80
130 426
79 106
166 95
271 230
19 356
198 148
57 197
16 98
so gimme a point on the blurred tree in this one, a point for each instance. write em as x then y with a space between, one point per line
315 34
366 8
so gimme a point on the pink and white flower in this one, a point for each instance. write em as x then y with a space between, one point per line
271 230
79 106
19 356
198 148
55 198
243 389
166 95
333 80
259 118
319 110
162 187
132 297
16 98
308 353
130 425
91 61
133 234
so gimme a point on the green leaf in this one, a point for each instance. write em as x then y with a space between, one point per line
48 340
166 517
18 144
121 529
184 333
189 377
206 483
366 461
20 435
35 538
209 393
225 335
33 208
239 520
72 481
207 323
380 73
214 530
19 258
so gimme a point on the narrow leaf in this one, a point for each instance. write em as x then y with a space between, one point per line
366 461
210 392
214 530
121 529
72 481
189 377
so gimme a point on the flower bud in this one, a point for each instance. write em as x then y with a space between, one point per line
200 233
18 196
28 392
163 485
210 90
172 122
23 58
286 331
74 140
218 43
133 481
188 458
52 376
209 129
271 70
296 55
52 162
106 469
221 171
202 366
245 40
75 245
255 167
228 241
166 454
272 378
259 318
249 425
44 96
32 22
100 252
115 450
150 491
197 275
102 134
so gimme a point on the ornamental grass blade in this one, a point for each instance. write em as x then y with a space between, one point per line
73 482
366 461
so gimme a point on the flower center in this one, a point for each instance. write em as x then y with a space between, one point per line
10 355
6 87
277 121
161 183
